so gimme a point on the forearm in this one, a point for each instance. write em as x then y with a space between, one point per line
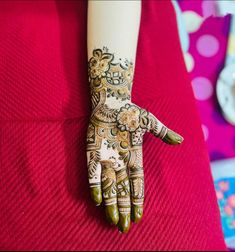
113 28
117 126
114 24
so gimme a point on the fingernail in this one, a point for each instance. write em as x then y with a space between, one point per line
124 223
173 138
180 139
96 195
137 213
112 214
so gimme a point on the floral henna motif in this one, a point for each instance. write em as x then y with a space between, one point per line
99 64
115 137
114 78
128 118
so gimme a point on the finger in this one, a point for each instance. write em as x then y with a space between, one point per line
109 190
94 173
152 124
136 175
159 130
124 204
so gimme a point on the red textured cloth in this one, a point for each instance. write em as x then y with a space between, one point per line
44 110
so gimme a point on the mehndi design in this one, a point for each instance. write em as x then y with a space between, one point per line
114 140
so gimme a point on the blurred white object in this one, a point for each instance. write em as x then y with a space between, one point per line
225 91
184 38
193 21
225 88
218 7
223 168
225 7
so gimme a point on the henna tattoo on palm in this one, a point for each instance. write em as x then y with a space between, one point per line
114 140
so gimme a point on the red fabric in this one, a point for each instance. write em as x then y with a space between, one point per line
44 110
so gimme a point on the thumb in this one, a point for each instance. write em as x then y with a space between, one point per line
158 129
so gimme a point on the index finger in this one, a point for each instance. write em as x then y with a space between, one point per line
94 173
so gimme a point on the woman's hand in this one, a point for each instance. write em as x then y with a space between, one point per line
114 140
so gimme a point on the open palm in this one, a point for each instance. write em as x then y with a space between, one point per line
114 141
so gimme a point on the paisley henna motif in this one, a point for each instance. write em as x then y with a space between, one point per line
93 163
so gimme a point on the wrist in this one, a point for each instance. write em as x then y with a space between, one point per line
110 81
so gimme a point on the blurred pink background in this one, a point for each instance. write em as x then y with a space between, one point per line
205 59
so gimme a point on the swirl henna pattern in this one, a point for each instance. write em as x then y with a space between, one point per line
115 138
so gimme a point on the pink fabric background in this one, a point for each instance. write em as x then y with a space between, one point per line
208 49
44 92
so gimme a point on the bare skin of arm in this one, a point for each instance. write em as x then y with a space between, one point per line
117 126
